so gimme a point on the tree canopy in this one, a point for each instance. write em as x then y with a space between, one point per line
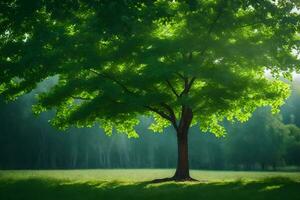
118 60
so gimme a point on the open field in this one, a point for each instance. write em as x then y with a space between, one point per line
132 184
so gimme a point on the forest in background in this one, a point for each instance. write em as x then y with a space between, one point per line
265 142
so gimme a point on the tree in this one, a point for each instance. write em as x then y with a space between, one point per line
261 141
291 110
181 62
292 145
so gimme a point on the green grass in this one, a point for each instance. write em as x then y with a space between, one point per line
133 184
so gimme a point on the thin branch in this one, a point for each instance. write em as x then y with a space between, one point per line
112 79
180 75
172 88
172 114
95 72
161 113
171 118
186 86
190 84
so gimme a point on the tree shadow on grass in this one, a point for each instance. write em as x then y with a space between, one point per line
53 189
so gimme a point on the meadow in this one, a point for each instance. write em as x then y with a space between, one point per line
135 184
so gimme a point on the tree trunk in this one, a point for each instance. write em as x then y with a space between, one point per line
182 171
263 166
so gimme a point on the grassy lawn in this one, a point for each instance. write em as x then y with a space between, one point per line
132 184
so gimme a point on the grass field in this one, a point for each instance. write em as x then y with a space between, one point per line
133 184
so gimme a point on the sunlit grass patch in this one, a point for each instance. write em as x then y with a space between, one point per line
271 187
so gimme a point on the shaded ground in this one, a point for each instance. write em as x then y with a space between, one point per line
42 186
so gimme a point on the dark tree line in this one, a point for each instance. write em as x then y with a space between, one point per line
264 142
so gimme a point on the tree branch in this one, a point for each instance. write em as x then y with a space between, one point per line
186 86
180 75
113 79
172 114
172 88
161 113
190 84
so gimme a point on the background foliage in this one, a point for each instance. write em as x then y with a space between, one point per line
265 142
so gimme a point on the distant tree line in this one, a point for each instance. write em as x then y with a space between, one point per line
266 142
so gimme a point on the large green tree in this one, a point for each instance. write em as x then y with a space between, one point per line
185 63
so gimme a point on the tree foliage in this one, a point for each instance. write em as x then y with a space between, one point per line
118 60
